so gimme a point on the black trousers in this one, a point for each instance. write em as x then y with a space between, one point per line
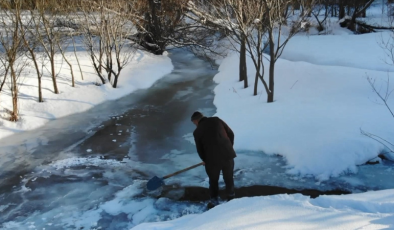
213 172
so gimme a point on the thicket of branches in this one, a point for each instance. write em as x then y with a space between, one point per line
40 32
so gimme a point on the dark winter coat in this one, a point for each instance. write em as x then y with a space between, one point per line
214 140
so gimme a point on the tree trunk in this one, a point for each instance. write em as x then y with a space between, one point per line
38 75
352 24
270 97
53 72
153 27
109 66
334 11
341 10
246 84
115 81
256 80
33 57
5 77
100 56
40 99
364 11
109 75
243 74
68 63
72 74
96 67
14 92
76 57
154 23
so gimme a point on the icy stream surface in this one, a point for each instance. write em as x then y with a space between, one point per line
89 170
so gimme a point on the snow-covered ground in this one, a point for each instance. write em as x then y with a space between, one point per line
322 100
142 71
370 210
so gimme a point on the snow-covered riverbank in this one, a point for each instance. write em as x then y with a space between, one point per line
142 71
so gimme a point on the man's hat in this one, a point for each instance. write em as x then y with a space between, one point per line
196 116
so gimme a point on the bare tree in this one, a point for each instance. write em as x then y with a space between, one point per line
11 51
159 23
4 72
118 50
47 34
69 21
76 56
216 15
387 43
354 9
106 34
384 90
31 44
62 46
93 34
359 11
316 12
241 13
383 97
274 22
260 24
247 33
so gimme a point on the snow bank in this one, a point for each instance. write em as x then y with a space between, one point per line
142 71
371 210
320 106
349 50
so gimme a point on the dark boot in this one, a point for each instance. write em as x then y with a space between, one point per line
212 203
230 197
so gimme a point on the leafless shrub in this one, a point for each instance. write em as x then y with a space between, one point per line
11 52
106 33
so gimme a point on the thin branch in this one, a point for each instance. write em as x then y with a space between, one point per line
372 84
382 141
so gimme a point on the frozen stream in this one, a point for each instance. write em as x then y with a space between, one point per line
89 170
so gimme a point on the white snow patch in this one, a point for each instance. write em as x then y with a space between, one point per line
318 111
80 161
372 209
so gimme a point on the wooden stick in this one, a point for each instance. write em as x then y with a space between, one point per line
183 170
